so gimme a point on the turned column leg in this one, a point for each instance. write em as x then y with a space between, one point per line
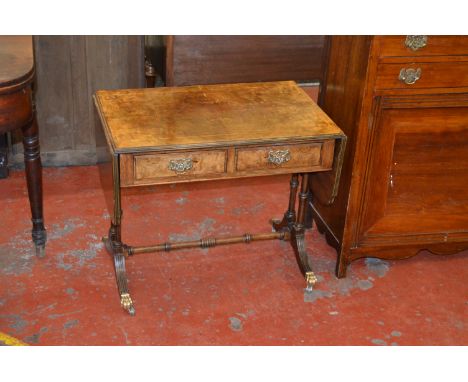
114 242
308 220
290 215
298 235
32 160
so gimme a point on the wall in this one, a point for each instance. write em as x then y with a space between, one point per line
69 69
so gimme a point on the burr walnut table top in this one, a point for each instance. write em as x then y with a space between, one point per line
171 118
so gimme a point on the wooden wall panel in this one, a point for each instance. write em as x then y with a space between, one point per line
224 59
113 63
69 69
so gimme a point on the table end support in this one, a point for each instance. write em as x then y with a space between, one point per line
294 224
115 249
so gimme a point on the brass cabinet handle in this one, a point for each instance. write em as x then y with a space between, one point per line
415 42
278 157
409 76
180 166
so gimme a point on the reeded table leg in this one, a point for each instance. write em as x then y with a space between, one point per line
295 225
290 215
32 160
114 243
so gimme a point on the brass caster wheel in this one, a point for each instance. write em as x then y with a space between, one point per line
127 303
311 279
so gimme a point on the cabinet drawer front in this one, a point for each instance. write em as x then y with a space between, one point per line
396 46
430 75
149 167
278 158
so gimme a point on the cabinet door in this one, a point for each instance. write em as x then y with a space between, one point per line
416 184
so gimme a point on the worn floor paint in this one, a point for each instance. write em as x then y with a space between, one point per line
241 294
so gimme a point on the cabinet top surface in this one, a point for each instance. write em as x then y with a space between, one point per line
210 115
16 59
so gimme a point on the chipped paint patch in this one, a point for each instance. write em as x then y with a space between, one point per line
135 207
58 315
70 324
378 341
206 225
17 256
70 291
316 294
396 333
246 315
15 321
344 286
235 324
181 201
365 284
220 200
78 257
34 339
58 231
201 230
247 211
377 266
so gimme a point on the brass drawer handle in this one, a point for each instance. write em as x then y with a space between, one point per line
278 157
415 42
180 166
409 76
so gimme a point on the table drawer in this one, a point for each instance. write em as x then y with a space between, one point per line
303 157
395 46
194 164
422 75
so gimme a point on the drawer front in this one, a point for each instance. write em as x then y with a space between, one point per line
149 167
422 75
396 46
227 162
279 158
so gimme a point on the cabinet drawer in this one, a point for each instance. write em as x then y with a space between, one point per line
395 46
431 75
298 157
150 167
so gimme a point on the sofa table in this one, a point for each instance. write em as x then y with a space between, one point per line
199 133
17 112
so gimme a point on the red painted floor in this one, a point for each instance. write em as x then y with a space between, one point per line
240 294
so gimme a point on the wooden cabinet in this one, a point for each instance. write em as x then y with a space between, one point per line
404 184
191 60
